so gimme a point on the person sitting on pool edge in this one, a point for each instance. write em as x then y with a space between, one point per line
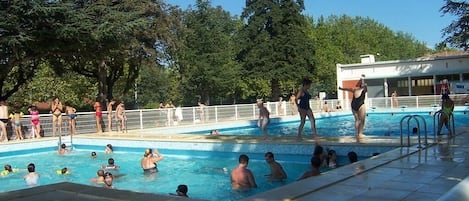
63 149
315 165
149 161
110 165
241 176
276 170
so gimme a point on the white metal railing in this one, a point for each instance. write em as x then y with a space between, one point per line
154 118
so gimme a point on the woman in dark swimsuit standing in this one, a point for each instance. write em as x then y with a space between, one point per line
304 109
56 109
358 106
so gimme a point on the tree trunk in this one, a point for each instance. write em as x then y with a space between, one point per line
275 87
102 84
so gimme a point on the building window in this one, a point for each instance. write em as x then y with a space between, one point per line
402 83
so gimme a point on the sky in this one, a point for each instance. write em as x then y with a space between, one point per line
420 18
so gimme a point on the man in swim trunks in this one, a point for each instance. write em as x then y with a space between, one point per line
3 120
358 106
149 161
276 170
120 117
241 176
56 110
99 115
264 119
71 112
110 104
32 177
447 107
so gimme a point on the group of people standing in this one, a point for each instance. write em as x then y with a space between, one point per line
118 115
301 102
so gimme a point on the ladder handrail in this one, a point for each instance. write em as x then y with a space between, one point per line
416 118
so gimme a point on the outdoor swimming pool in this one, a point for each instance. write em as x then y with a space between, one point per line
204 175
377 124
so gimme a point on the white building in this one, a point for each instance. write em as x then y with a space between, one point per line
413 77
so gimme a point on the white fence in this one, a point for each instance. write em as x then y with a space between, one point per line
153 118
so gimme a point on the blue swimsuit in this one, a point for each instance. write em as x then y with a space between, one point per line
304 101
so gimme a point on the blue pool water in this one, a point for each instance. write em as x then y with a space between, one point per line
203 175
377 124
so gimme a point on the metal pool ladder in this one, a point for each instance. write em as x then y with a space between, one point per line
68 142
416 118
436 122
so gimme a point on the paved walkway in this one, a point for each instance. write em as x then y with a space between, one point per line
415 174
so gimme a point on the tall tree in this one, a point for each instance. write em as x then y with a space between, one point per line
274 44
206 64
27 34
457 33
111 40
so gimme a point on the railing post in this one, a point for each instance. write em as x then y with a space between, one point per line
417 101
253 111
141 119
216 113
236 112
193 115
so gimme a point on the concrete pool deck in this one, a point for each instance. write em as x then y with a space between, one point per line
406 173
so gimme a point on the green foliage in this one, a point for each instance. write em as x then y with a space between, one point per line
457 33
274 43
205 64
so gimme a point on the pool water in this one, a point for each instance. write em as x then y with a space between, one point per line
377 124
203 175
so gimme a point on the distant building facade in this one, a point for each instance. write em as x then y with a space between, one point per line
422 76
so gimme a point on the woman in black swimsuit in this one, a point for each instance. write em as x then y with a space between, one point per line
56 109
358 106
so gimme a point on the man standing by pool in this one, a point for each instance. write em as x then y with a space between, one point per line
241 176
358 105
276 170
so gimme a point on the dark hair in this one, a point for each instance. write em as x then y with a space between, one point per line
110 161
64 170
110 146
8 167
100 172
107 174
318 150
93 153
269 154
182 189
31 167
306 81
352 156
63 146
315 162
243 158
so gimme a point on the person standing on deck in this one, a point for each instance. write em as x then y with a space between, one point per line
109 114
303 97
358 105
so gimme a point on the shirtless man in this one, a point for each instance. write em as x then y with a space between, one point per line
32 177
56 110
99 114
3 120
71 113
110 104
315 165
149 161
276 171
264 119
63 149
358 106
241 176
100 178
120 117
110 165
108 179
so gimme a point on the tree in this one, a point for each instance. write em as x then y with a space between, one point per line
110 41
457 33
274 44
27 35
206 64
